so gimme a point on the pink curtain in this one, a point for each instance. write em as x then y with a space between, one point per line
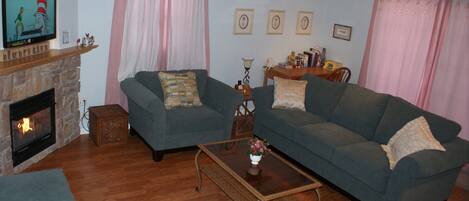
113 93
403 43
418 50
141 38
449 95
188 35
152 35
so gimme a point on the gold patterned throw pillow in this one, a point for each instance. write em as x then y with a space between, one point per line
179 89
413 137
289 94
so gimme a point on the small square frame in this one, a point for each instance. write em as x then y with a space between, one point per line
342 32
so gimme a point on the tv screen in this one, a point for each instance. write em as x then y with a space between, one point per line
26 22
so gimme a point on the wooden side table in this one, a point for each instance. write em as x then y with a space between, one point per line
244 117
108 124
293 73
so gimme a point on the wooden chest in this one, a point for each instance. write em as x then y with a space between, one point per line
108 124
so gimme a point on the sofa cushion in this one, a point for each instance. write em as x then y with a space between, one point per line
286 122
203 118
179 89
150 80
322 95
415 136
360 110
398 112
365 161
289 94
324 138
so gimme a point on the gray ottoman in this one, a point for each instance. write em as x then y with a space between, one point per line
47 185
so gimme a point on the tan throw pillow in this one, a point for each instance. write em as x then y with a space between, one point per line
289 94
179 89
413 137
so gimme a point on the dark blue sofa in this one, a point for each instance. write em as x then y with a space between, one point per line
339 138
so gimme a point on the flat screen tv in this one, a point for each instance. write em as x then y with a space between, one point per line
28 21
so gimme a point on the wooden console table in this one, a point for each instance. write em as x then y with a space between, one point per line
293 73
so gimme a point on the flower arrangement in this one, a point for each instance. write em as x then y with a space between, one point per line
258 147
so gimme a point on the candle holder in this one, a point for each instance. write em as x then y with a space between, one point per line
247 63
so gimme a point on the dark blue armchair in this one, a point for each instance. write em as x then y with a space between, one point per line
164 129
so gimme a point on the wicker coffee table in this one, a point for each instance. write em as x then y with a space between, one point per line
278 178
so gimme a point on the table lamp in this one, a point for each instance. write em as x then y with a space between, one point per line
247 63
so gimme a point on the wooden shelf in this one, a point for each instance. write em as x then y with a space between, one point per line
9 67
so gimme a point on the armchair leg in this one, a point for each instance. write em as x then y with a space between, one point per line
158 156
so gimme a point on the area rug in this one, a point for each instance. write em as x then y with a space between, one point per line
47 185
230 186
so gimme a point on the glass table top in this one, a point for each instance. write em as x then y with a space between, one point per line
276 174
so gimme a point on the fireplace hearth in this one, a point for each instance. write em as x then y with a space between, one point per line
32 123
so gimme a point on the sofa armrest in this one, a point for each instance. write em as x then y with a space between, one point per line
427 163
147 113
223 99
264 97
142 96
428 174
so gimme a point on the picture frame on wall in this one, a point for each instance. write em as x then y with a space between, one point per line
275 22
304 22
343 32
243 21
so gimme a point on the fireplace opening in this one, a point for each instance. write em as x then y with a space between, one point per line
32 126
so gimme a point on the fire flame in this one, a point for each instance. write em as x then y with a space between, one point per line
24 125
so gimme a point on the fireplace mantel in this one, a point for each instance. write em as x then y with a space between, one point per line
9 67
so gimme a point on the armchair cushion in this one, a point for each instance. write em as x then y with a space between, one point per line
179 89
150 80
194 119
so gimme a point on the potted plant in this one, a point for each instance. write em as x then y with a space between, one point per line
257 148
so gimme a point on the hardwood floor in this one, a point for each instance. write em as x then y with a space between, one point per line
127 172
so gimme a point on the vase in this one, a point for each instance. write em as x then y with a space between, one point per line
255 159
254 170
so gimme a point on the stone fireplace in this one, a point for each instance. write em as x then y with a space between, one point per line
41 128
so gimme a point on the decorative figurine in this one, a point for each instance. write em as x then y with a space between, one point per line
88 40
292 58
83 42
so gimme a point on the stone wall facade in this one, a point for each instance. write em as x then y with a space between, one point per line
64 76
